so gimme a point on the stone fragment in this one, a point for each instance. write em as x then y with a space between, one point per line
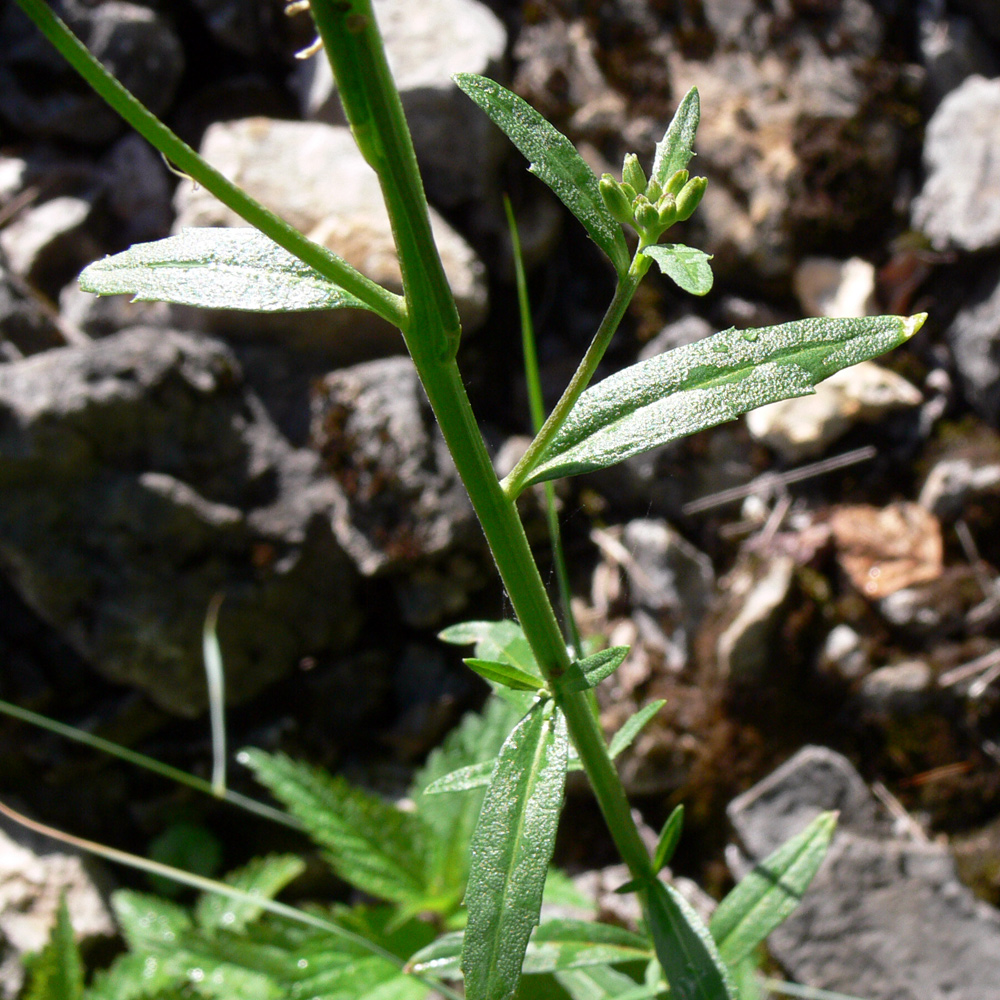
953 483
884 918
825 286
140 479
134 41
137 190
952 48
974 338
34 876
313 176
685 330
898 690
843 654
256 27
459 149
958 207
804 427
28 324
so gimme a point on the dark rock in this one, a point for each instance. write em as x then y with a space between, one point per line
884 918
984 13
28 324
974 338
140 479
255 27
956 481
135 43
899 690
103 315
958 208
138 190
952 48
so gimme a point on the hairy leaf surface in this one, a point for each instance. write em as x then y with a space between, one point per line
553 159
674 150
216 268
708 382
687 267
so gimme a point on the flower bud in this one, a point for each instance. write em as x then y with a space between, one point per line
629 191
690 197
615 200
646 216
667 209
632 173
676 181
654 190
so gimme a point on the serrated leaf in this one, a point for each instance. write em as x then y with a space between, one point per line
554 159
503 674
670 837
216 268
707 382
511 850
370 843
149 922
264 877
600 666
56 973
674 150
622 740
687 267
685 949
134 976
765 897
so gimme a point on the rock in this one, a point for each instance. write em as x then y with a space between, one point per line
952 48
977 857
140 479
974 338
898 690
685 330
957 208
937 606
953 483
138 190
825 286
843 654
255 27
135 42
983 12
34 876
313 176
884 918
102 315
756 595
28 324
405 507
804 427
427 44
50 242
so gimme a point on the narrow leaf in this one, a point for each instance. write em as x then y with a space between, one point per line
511 850
463 779
57 972
707 382
674 150
602 665
217 268
685 266
504 674
600 982
670 837
771 891
622 740
686 952
574 944
553 159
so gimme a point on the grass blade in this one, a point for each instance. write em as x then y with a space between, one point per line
511 850
553 159
708 382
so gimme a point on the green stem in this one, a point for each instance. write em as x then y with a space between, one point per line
625 289
381 301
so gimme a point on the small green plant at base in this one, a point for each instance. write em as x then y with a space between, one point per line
461 879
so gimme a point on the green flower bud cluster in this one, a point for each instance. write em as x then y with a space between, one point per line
647 206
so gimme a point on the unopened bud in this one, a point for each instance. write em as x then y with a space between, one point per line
676 181
667 209
629 191
632 173
690 197
614 198
654 190
646 216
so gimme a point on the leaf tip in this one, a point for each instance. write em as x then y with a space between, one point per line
913 323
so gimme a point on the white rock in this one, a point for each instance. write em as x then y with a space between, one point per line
829 287
38 234
804 427
312 175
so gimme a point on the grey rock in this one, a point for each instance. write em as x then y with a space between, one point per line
685 330
102 315
140 479
405 505
135 42
137 190
34 876
898 690
984 13
313 176
28 324
955 481
957 207
843 654
952 48
255 27
426 44
974 338
884 918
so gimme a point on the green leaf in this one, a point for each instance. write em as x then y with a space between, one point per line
685 949
770 891
670 836
463 779
370 843
56 973
511 850
504 674
553 159
502 641
135 976
707 382
622 740
601 665
218 269
148 922
264 877
687 267
600 982
674 151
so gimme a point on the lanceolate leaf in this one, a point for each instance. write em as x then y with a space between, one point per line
707 382
622 740
673 152
600 982
686 951
462 779
769 893
504 674
602 665
217 269
554 160
687 267
670 837
510 852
